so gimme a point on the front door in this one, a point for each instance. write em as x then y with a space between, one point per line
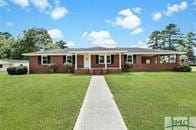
86 61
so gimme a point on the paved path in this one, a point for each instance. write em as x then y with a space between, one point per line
99 111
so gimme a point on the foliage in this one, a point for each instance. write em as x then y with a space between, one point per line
183 60
61 44
31 40
52 67
171 38
6 47
19 70
11 70
68 66
156 40
183 68
128 66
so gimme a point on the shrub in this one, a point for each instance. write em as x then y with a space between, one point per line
183 68
52 67
128 66
11 70
68 66
19 70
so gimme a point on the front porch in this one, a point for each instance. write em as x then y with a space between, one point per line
96 63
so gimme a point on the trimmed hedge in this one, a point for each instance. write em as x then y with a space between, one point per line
128 66
19 70
183 68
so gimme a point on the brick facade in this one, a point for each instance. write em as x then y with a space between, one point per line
35 67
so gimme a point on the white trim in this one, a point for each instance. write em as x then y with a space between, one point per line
89 56
76 64
105 60
42 60
98 52
156 53
110 59
71 59
131 58
119 60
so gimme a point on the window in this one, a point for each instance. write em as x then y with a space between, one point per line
101 59
44 60
69 59
1 66
168 59
129 58
109 59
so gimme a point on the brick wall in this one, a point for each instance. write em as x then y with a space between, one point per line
154 67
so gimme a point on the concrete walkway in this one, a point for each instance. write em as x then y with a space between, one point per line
99 111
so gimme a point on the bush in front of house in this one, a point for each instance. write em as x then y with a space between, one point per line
19 70
68 66
52 67
11 70
183 68
128 66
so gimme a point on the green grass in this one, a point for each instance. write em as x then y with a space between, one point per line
41 101
144 99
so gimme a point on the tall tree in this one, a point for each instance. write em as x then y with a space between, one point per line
6 46
6 35
156 40
172 36
191 43
61 44
33 39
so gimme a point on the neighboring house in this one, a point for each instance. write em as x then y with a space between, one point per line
4 64
103 60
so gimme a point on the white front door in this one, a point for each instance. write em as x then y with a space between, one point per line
86 61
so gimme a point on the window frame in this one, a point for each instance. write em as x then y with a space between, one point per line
110 59
70 59
128 58
43 60
103 59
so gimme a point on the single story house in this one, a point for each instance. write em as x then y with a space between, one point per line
103 60
5 63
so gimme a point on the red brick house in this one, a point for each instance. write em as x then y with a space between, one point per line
103 60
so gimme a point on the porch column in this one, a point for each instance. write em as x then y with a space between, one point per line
120 60
158 59
105 60
177 59
89 56
76 64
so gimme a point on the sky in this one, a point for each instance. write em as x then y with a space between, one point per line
104 23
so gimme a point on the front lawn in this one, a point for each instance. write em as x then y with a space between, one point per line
41 101
144 99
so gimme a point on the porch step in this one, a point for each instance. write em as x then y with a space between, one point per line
98 71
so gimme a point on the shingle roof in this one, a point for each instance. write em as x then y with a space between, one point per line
102 49
13 61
